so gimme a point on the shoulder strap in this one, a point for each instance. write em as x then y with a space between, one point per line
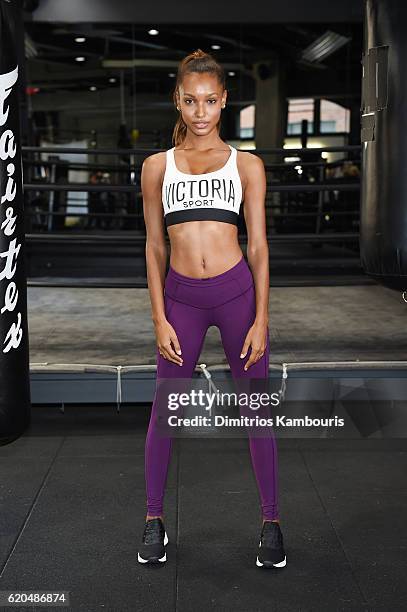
170 160
233 157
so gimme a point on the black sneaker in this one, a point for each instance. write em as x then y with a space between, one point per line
152 548
271 548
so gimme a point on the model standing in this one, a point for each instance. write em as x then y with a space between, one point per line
197 188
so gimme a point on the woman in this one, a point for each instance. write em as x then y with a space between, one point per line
197 188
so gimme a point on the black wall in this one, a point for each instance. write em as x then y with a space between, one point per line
211 11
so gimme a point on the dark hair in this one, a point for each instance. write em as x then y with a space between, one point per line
197 61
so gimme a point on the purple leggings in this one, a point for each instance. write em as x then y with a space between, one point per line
228 301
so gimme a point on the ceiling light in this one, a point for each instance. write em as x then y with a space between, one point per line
231 73
93 88
112 80
80 59
153 32
171 74
80 39
324 46
215 47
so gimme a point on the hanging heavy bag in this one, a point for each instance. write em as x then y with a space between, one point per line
383 213
14 346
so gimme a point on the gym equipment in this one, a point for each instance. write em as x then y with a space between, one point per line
383 219
15 404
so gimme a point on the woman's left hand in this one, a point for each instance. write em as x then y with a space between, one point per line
256 338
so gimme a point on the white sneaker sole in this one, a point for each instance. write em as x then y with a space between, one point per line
154 560
268 564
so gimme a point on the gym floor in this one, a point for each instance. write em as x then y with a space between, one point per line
74 507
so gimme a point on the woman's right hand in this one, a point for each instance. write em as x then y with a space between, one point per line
167 342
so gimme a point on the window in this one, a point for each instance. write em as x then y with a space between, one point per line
334 117
299 109
247 122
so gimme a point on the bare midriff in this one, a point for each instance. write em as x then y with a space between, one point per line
201 249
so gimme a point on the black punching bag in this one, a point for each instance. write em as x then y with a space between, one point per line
383 218
14 348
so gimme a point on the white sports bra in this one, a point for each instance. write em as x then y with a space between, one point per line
214 196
